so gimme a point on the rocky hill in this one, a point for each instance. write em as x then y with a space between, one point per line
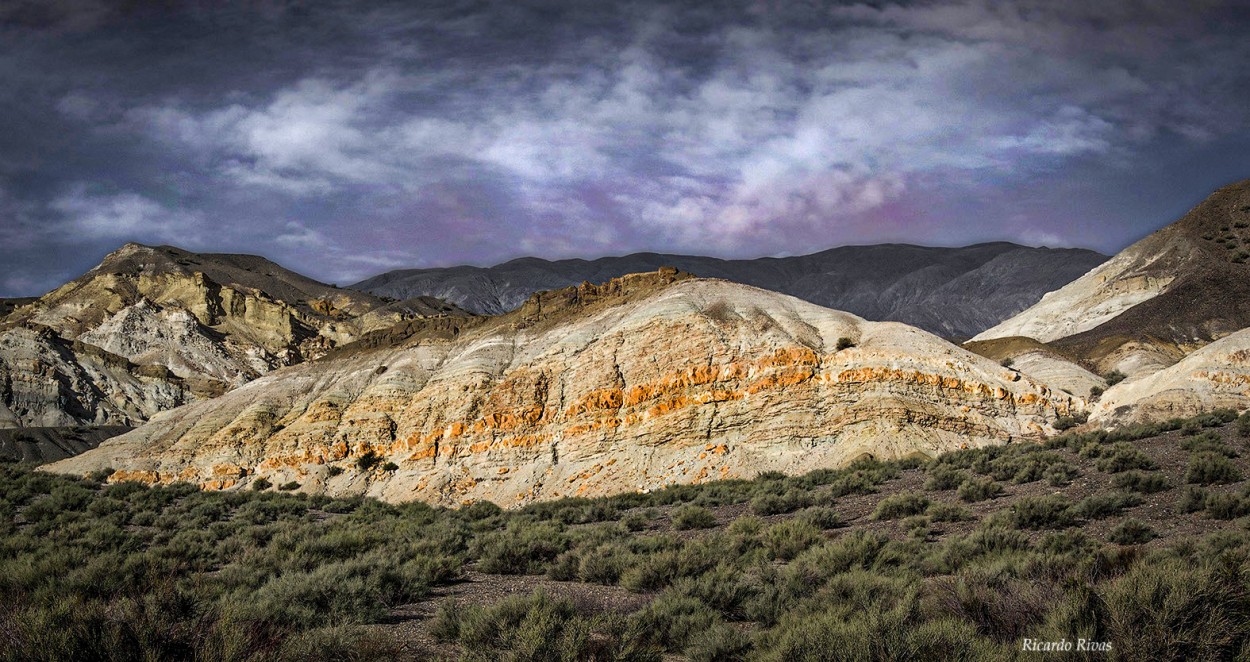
952 292
1157 300
643 381
152 328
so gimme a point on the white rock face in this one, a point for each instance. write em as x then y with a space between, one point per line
1057 373
47 381
146 333
1217 375
1100 295
649 384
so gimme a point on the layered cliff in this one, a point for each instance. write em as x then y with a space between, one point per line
643 381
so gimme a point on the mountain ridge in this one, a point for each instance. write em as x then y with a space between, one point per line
954 292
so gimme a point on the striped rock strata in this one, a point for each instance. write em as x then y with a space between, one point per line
647 380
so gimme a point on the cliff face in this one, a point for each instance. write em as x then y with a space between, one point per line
171 327
647 380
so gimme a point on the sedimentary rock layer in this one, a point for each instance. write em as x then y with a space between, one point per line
643 381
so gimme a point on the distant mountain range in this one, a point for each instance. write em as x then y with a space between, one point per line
952 292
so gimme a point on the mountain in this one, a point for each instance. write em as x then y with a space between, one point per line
646 380
1157 300
952 292
151 328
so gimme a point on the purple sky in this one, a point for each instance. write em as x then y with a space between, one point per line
343 139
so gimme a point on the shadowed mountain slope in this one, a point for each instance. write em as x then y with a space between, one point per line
952 292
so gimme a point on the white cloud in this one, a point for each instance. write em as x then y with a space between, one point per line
87 217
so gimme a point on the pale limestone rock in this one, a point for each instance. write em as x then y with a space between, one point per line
595 390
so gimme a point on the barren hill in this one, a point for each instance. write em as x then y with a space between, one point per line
643 381
1157 300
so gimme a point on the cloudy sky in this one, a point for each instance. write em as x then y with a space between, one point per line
343 139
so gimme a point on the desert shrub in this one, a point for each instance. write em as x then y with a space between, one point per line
975 489
1226 506
530 627
520 549
1131 532
390 466
1114 377
844 343
1207 441
722 641
673 620
368 460
1192 499
692 517
901 505
1096 392
787 539
635 521
1098 506
1211 469
261 484
774 504
947 512
1123 456
1052 511
1243 424
1068 422
1140 481
1176 610
944 477
1060 474
821 517
334 470
289 486
1007 362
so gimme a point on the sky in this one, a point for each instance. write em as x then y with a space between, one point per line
344 139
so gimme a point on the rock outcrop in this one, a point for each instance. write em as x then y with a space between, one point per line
1157 300
1217 375
952 292
643 381
152 328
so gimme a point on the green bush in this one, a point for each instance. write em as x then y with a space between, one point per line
1243 424
821 517
1139 481
1208 442
289 486
845 343
901 505
947 512
1060 474
944 477
692 517
334 470
979 489
785 540
1046 512
1098 506
1192 499
261 484
1124 457
1226 506
1068 422
1131 532
1211 469
1114 377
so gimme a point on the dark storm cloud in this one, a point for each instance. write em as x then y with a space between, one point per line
346 138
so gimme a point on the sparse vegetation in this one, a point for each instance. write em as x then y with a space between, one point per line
1114 377
839 563
844 343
